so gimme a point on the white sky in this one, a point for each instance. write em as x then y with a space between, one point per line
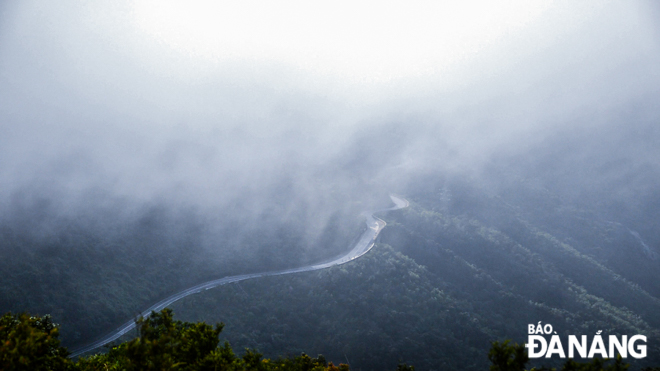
344 49
120 81
372 41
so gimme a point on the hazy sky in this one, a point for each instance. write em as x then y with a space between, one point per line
197 101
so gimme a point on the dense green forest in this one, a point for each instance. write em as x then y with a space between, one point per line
32 343
462 267
97 270
458 269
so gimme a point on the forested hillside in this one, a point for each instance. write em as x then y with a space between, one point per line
458 269
95 271
461 267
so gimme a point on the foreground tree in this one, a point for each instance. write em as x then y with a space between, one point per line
31 343
506 357
166 344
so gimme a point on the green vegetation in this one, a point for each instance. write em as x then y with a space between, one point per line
446 279
94 273
459 269
31 343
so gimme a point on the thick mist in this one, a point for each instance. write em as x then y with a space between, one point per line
90 106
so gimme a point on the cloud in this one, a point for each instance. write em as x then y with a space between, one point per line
200 106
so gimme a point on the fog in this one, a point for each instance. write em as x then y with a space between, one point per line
295 108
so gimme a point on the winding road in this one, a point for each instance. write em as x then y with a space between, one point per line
364 244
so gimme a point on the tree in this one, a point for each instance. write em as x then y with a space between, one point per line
505 357
166 344
31 343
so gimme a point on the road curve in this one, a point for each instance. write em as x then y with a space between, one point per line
364 244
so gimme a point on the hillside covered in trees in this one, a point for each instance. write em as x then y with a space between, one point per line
457 270
31 343
460 268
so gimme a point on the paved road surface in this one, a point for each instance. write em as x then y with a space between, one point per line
364 244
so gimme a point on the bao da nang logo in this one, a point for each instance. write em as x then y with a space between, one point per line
584 346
